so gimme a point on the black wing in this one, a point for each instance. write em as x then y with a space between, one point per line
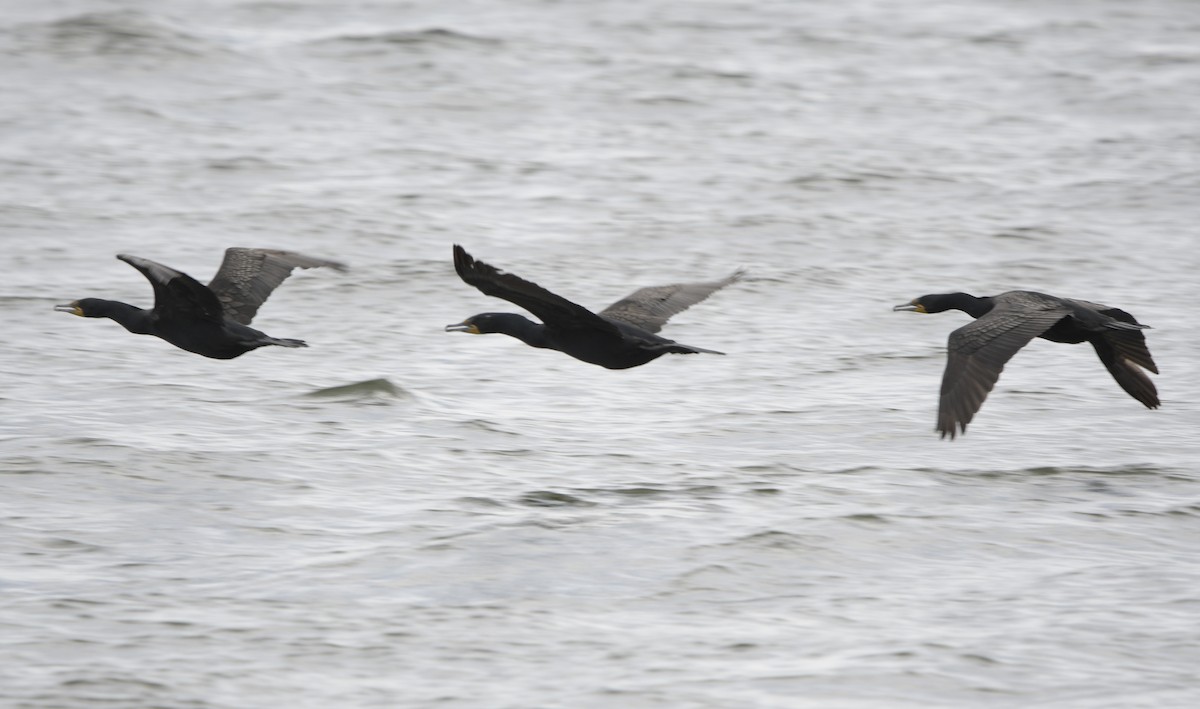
1130 344
1114 353
551 309
1123 352
247 277
977 352
650 308
176 294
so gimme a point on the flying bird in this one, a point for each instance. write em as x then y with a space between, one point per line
211 320
978 351
621 336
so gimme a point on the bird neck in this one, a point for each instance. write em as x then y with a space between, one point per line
130 317
971 305
522 328
975 306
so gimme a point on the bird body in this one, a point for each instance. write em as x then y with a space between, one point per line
978 351
211 320
619 337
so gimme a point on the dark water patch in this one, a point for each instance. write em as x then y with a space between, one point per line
707 73
775 539
488 426
90 441
979 659
644 491
435 37
482 502
63 544
113 688
638 492
866 517
765 491
508 452
550 498
652 492
244 163
1026 233
759 468
293 484
786 470
870 180
666 100
1000 38
617 455
1167 57
22 465
76 603
1186 510
1053 471
115 33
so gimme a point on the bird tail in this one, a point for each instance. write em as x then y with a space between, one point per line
677 348
286 342
1121 320
1118 325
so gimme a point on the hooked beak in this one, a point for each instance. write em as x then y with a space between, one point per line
71 308
913 306
463 327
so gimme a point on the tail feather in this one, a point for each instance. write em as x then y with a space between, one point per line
285 342
677 348
1122 320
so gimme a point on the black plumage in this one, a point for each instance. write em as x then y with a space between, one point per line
211 320
619 337
978 351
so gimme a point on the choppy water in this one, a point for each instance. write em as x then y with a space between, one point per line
401 517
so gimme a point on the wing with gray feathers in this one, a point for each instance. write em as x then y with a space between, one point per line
650 308
247 277
978 351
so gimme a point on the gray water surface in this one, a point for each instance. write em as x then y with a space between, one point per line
403 517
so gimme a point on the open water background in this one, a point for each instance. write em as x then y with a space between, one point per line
402 517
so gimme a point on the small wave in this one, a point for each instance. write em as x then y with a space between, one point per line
692 71
550 498
775 539
64 544
1132 470
667 100
1167 57
433 36
120 32
357 391
243 163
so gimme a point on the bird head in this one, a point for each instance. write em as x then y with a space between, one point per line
915 305
470 326
85 308
938 303
485 323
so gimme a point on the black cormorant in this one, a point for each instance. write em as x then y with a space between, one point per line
978 351
209 320
618 337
